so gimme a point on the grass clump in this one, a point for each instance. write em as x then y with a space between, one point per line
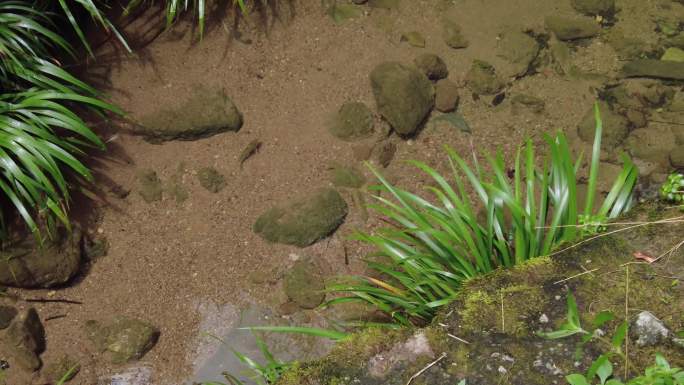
434 246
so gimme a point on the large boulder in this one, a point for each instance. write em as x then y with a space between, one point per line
29 264
303 221
124 339
566 28
204 112
24 340
403 94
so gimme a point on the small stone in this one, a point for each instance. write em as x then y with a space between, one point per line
673 54
403 94
453 36
648 330
446 95
7 314
482 78
304 220
650 68
346 176
432 66
353 121
304 285
519 50
572 28
543 318
25 340
383 152
95 247
211 179
125 339
529 102
414 38
150 186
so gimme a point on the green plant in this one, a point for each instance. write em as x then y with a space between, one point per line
41 132
673 189
601 368
435 245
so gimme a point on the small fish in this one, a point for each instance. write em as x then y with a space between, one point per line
251 149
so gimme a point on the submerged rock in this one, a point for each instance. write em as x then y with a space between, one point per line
650 68
211 179
615 127
453 36
404 96
150 186
346 176
594 7
519 50
414 38
303 221
383 152
529 102
343 12
446 95
384 4
572 28
31 265
7 314
482 78
24 340
353 121
124 339
204 113
64 369
432 66
304 285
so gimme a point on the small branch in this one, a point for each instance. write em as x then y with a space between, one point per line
431 364
42 300
575 276
458 339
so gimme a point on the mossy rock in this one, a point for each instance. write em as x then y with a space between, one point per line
28 264
519 50
403 94
432 66
64 369
204 113
211 179
304 220
353 121
150 186
567 28
604 8
346 176
650 68
446 96
482 78
499 315
24 340
453 36
124 339
304 285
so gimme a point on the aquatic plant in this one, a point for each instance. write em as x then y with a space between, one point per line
672 189
41 132
433 246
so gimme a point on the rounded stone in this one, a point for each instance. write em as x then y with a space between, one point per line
482 78
353 121
304 285
432 66
446 96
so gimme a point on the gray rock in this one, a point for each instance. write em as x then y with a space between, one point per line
51 264
404 96
304 220
453 36
150 186
572 28
594 7
353 121
615 127
25 340
446 95
482 78
650 68
648 330
304 285
432 66
519 49
124 339
204 113
211 179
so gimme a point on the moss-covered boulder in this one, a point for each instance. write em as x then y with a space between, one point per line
566 28
403 94
488 335
24 340
304 285
482 78
353 121
28 264
124 339
304 220
205 112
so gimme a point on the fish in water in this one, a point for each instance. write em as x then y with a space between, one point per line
251 149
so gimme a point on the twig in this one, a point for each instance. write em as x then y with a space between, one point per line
626 319
54 317
42 300
503 317
458 339
431 364
575 276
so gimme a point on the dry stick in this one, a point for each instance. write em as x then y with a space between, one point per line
41 300
626 319
458 339
576 275
503 318
431 364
